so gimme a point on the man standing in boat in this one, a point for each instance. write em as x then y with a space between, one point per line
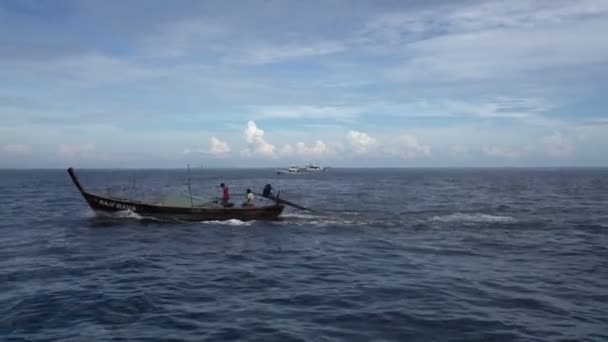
225 195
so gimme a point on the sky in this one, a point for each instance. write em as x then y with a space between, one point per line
147 84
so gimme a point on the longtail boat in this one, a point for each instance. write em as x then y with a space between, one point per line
182 213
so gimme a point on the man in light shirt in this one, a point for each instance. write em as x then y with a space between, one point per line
249 201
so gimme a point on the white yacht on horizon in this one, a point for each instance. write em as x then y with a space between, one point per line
298 170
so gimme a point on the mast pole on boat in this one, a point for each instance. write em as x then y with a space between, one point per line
189 189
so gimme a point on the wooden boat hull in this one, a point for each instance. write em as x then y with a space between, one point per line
146 210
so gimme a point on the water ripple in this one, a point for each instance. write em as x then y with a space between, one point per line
389 255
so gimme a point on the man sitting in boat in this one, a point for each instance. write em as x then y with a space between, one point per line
267 192
249 200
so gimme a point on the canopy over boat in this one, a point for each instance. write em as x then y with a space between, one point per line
177 212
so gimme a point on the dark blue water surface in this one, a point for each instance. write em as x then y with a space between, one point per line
390 255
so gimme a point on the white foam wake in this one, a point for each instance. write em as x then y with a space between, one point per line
299 216
473 218
231 222
128 214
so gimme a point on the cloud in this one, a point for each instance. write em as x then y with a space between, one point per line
318 150
252 133
492 41
182 38
360 141
496 74
457 58
307 111
558 145
408 147
490 107
495 107
16 148
287 151
501 152
258 145
501 107
203 35
395 26
74 150
90 70
219 149
274 53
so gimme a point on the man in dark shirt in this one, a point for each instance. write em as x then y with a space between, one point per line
267 192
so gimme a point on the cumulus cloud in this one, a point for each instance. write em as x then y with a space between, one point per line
257 143
558 145
408 147
218 147
287 151
74 150
360 141
319 149
16 148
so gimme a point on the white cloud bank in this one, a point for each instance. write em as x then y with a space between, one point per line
361 142
318 150
408 147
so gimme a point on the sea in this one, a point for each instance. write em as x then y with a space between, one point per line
413 254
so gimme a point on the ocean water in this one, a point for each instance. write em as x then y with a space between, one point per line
387 255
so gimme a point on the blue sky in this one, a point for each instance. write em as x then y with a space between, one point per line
271 83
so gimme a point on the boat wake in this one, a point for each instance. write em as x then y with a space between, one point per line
293 218
316 220
231 222
299 216
127 214
473 218
123 214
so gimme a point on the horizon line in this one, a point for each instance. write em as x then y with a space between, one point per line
329 168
